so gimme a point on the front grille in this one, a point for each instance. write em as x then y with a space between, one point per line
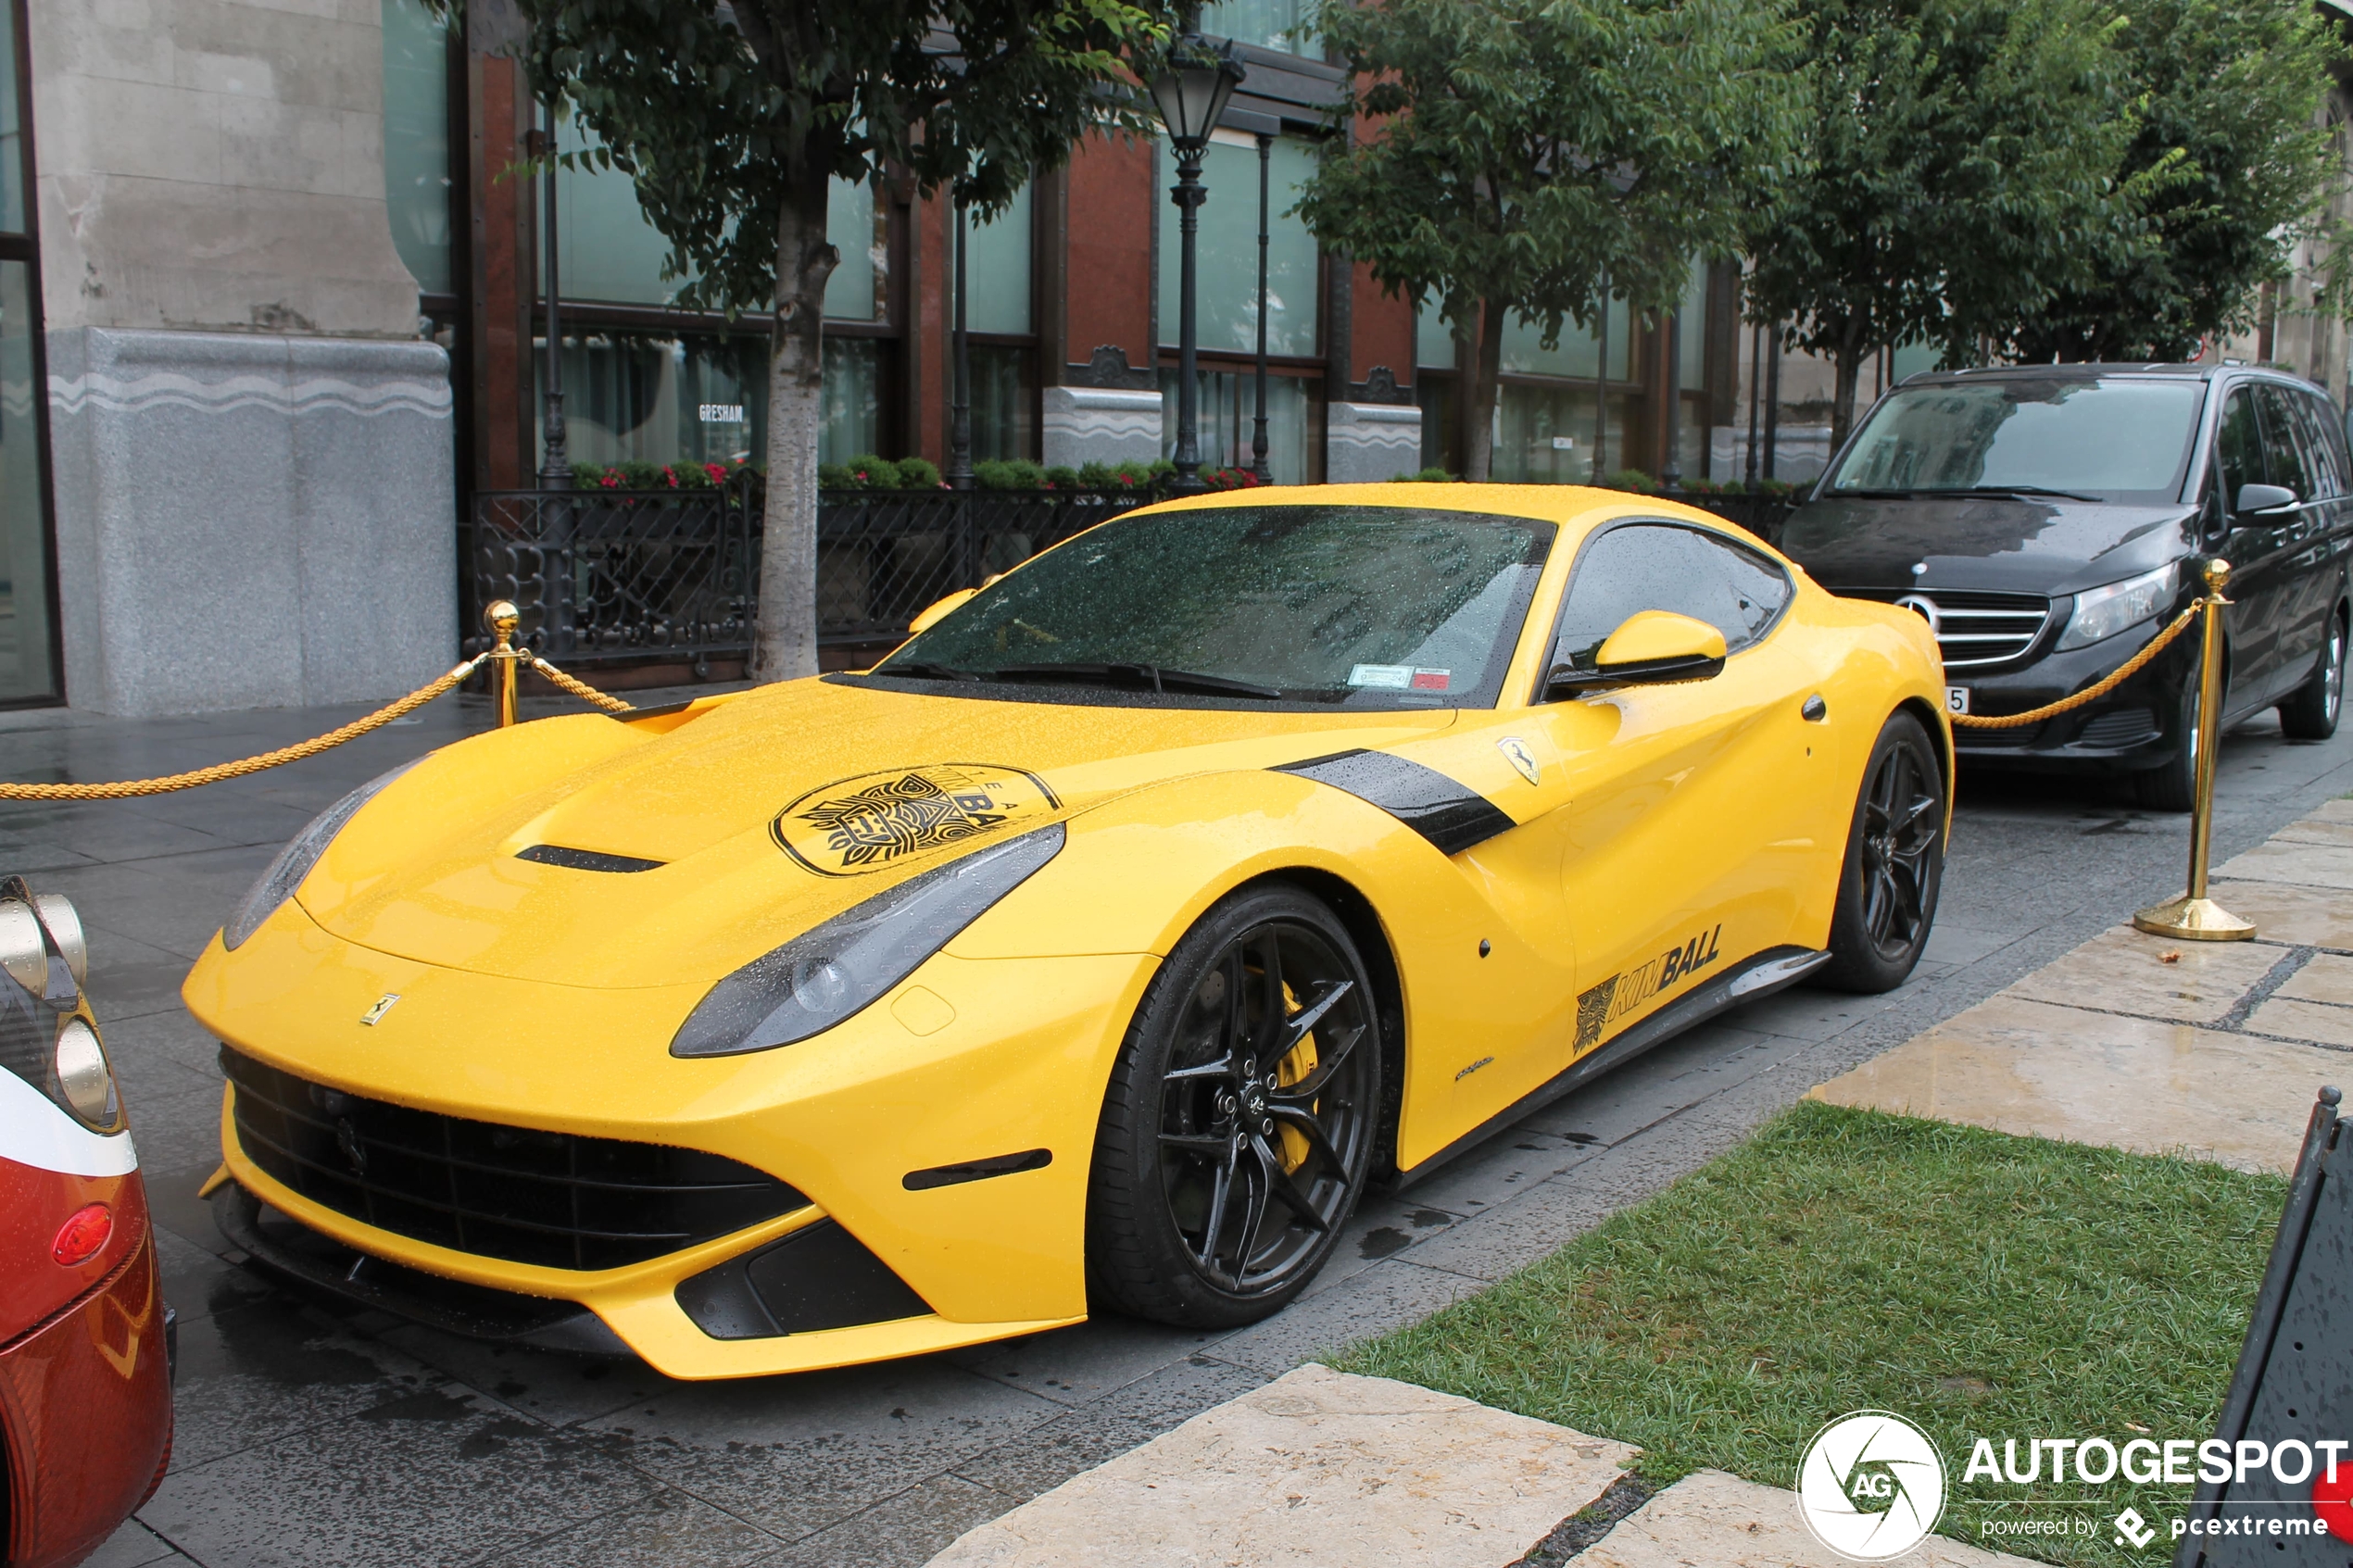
1971 628
556 1199
2121 727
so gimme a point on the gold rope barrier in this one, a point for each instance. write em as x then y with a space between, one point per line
2093 693
501 618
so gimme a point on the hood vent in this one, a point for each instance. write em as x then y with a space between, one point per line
584 860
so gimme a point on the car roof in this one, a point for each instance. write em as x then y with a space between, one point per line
2096 369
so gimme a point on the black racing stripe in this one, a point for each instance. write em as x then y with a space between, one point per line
1450 816
584 859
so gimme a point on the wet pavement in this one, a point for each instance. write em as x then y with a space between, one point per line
310 1436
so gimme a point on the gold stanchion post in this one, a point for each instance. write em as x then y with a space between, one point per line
2194 917
501 618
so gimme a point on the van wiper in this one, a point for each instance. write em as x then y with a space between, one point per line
1930 495
1149 677
924 669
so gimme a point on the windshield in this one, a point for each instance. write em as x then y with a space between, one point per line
2116 439
1357 607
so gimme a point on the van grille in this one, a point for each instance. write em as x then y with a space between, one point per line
556 1199
1971 628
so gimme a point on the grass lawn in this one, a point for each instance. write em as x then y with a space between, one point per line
1982 1284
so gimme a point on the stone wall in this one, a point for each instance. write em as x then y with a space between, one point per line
251 451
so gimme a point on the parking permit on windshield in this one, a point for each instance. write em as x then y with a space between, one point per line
1400 678
1956 699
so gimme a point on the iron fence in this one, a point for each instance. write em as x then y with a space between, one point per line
608 576
612 576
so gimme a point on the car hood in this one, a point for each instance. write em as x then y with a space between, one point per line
1989 541
677 855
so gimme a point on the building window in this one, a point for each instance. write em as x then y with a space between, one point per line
1226 403
997 315
1287 25
416 141
1227 293
28 614
853 400
662 398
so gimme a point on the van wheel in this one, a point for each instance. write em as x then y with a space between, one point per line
1894 864
2310 711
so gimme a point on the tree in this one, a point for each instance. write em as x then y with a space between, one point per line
1958 176
732 118
2227 169
1521 151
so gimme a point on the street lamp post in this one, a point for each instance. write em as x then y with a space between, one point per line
1670 473
555 468
1600 385
960 438
1190 91
1258 422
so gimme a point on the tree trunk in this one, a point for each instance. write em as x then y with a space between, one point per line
784 638
1850 375
1479 428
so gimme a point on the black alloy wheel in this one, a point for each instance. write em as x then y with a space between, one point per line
1238 1127
1894 864
2310 711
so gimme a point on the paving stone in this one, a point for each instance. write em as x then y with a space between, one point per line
668 1530
2323 1023
1388 1296
1086 1362
1316 1467
437 1476
2033 1068
795 1455
2325 977
2306 865
1712 1519
250 1374
904 1528
131 1546
2122 970
562 1390
2315 829
2304 917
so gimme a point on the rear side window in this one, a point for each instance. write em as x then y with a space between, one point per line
1644 566
2287 446
2324 439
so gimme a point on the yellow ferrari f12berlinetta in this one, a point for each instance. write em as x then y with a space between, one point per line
1094 951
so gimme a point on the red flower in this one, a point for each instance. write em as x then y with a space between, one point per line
718 471
611 482
670 477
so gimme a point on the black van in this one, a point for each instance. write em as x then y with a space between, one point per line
2049 519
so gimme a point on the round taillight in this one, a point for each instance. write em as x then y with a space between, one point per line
84 1235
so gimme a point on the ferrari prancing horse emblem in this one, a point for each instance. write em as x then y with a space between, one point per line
374 1015
1516 752
876 820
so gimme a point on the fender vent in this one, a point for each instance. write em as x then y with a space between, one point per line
584 859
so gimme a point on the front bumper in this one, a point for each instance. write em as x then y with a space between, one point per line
2132 728
86 1402
845 1119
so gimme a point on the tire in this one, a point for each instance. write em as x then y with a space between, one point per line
1206 1146
2310 712
2172 785
1894 864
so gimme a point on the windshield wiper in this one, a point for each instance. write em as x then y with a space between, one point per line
924 669
1151 677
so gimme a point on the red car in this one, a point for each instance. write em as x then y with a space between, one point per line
85 1379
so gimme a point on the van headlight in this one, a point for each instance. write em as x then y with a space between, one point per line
824 975
2101 613
294 862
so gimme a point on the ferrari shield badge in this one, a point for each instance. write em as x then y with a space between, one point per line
1516 752
875 820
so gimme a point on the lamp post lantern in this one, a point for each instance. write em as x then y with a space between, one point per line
1190 91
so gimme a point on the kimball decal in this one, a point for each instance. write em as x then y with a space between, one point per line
874 821
1621 994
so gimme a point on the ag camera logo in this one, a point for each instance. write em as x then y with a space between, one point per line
1871 1486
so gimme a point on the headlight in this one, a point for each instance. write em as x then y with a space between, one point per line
2103 612
818 979
294 862
44 1037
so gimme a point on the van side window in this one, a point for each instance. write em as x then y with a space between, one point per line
1662 566
2325 441
2287 452
2238 448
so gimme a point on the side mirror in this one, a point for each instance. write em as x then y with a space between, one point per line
1652 648
938 608
2263 500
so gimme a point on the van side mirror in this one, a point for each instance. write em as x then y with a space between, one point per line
2263 500
1651 647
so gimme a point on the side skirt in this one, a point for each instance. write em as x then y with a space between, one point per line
1769 972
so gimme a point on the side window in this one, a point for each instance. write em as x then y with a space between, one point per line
2292 462
1661 566
2324 439
2238 448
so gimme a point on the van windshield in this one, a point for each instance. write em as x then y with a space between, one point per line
2119 438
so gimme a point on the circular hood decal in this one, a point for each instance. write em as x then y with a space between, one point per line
875 820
